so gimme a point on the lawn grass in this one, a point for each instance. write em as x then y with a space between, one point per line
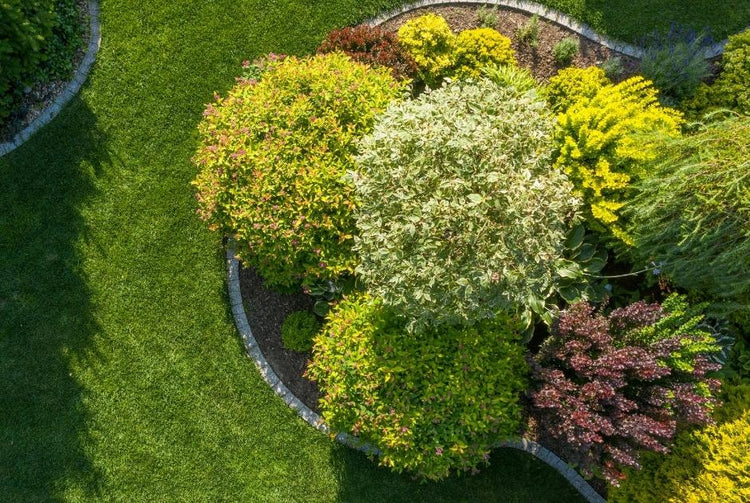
121 373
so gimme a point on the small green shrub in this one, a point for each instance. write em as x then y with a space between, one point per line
430 42
273 158
602 144
372 46
692 213
565 50
481 47
708 464
487 16
298 330
529 33
432 403
461 213
613 68
511 76
732 88
675 62
571 85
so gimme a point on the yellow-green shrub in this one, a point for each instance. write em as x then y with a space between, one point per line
273 157
571 85
603 142
431 43
707 465
432 403
479 48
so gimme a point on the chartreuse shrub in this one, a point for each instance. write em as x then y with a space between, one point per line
571 85
298 330
430 41
609 387
708 464
481 47
371 45
461 212
273 157
692 213
432 403
603 143
732 87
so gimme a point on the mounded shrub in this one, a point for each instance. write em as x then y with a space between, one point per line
298 330
273 158
432 403
511 76
461 212
571 85
708 464
430 41
692 213
481 47
608 387
372 46
602 144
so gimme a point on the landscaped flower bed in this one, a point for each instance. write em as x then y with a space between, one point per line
448 215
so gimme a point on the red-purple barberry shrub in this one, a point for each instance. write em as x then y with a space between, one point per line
372 46
604 400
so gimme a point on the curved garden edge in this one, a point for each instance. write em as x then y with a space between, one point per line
253 350
543 12
79 77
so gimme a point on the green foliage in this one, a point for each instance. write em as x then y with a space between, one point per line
513 76
529 33
565 50
298 330
602 143
612 67
431 43
708 464
487 16
273 159
481 47
732 88
692 213
461 213
571 85
432 403
675 62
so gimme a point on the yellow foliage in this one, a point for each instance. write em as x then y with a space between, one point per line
431 43
571 85
478 48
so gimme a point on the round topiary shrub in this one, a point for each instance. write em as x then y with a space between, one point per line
479 48
432 403
273 158
571 85
461 212
298 330
430 41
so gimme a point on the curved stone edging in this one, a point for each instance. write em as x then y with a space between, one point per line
79 77
546 13
314 419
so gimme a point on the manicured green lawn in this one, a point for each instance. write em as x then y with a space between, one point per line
121 373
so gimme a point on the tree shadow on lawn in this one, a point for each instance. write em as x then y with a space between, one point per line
45 308
512 476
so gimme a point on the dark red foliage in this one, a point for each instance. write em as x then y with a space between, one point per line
373 46
605 402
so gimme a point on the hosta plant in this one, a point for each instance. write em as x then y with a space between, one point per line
433 403
609 387
462 214
273 160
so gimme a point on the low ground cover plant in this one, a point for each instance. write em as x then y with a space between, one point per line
298 331
433 403
273 158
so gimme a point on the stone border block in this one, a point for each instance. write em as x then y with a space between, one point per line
80 76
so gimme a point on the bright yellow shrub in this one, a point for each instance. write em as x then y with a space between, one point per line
480 47
603 144
571 85
430 41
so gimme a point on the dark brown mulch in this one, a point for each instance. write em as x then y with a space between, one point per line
37 97
266 310
539 60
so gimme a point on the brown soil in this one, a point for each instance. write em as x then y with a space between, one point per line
37 97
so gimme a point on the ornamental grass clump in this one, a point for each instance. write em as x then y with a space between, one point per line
433 403
609 387
462 214
605 142
273 160
692 213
